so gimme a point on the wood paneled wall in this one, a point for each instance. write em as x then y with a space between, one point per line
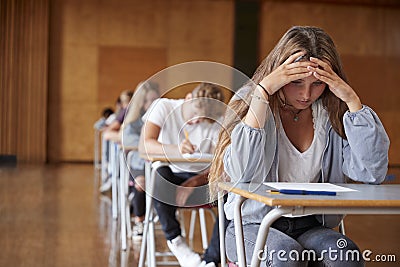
99 48
23 78
368 39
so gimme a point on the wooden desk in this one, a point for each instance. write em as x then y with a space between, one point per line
174 158
368 199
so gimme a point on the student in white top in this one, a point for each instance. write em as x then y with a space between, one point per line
172 128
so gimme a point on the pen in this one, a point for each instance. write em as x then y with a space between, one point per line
302 192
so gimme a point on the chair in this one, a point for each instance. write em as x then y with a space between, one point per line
148 241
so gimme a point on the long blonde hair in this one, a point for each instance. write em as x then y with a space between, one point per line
316 43
138 100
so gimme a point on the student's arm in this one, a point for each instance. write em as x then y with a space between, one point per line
149 141
365 151
184 190
249 156
114 126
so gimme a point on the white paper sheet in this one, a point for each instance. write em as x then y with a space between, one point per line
198 155
310 187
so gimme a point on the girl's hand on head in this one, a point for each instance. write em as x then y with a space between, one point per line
287 72
339 87
186 147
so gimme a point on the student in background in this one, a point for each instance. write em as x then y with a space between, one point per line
107 117
299 114
111 133
145 94
175 127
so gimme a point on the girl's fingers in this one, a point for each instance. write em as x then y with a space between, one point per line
297 70
320 62
322 78
321 72
303 64
299 76
293 57
187 147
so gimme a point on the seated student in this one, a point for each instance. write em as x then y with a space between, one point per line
107 117
105 143
323 134
145 94
111 133
174 127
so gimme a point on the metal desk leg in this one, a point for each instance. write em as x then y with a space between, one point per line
221 227
97 164
114 197
239 232
122 198
149 205
126 192
271 216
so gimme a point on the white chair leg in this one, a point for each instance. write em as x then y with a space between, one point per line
181 217
341 227
192 224
203 227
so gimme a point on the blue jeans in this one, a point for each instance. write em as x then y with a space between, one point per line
314 246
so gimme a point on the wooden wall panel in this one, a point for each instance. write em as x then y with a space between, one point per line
122 68
368 39
200 30
98 48
23 77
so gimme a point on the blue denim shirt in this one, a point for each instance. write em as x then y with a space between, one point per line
362 157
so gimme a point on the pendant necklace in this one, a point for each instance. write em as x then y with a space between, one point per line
287 107
295 114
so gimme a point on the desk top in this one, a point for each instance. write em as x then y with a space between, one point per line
365 196
174 158
130 148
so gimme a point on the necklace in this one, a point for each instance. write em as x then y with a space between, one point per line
295 114
286 106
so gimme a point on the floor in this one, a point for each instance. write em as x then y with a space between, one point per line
53 216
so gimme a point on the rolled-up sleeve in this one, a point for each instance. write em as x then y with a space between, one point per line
246 158
366 148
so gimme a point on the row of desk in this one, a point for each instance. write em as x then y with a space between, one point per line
366 199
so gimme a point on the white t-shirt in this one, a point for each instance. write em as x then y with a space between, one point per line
295 166
167 114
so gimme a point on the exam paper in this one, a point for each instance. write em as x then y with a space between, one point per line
198 155
310 187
